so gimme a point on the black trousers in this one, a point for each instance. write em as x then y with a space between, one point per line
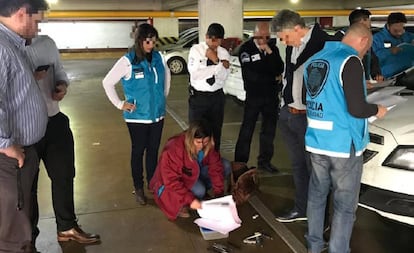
210 107
56 150
144 138
268 108
15 226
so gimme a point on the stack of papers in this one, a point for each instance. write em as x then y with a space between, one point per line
219 214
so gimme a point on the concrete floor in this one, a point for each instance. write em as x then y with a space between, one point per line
103 185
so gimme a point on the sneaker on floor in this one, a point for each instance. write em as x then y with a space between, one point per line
291 216
268 167
184 213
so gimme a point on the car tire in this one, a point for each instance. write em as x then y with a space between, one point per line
177 65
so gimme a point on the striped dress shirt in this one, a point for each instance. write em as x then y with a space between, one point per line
23 113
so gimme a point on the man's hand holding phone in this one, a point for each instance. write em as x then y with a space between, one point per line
41 72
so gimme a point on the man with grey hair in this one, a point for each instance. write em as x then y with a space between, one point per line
302 42
23 119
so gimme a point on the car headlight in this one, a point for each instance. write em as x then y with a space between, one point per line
401 158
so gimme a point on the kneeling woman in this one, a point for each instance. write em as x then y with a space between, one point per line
189 166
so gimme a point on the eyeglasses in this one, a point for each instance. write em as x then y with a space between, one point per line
261 37
150 41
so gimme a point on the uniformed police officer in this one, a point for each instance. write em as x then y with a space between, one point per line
262 67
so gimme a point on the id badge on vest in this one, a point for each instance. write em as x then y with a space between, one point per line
138 73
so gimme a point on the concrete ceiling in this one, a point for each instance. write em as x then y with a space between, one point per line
191 5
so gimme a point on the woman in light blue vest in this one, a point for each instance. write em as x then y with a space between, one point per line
145 80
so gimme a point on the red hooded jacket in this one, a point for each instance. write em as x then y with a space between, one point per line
176 174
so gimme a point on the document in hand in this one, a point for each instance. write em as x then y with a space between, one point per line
386 98
219 214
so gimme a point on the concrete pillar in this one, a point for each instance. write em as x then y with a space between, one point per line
166 27
229 13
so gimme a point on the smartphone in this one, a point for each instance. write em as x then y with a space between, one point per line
42 67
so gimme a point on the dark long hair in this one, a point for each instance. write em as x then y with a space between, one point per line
143 31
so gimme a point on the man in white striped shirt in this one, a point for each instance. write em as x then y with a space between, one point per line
23 119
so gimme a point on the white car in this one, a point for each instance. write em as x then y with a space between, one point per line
388 174
176 54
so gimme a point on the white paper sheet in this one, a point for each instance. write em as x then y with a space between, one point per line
219 214
386 97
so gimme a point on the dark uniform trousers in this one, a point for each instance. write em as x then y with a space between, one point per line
268 108
208 106
144 138
15 226
56 150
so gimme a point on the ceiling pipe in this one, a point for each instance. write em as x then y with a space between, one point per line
53 15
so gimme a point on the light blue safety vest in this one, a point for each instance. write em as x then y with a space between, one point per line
331 128
145 89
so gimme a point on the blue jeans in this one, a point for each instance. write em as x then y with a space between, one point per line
203 183
343 176
293 129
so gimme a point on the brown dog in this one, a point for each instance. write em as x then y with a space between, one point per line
243 182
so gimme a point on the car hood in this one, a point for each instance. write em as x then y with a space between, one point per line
400 121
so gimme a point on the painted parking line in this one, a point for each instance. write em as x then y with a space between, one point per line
180 121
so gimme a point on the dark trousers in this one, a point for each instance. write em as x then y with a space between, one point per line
293 129
15 226
56 150
209 107
268 108
144 138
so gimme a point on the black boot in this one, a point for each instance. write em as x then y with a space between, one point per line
140 196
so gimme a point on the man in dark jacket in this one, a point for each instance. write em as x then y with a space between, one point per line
302 42
261 69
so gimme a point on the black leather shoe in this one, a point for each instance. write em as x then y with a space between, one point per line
77 234
291 217
140 196
268 167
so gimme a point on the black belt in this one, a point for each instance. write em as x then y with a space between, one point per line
206 93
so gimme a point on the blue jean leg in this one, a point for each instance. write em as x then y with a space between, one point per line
293 129
203 183
344 176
